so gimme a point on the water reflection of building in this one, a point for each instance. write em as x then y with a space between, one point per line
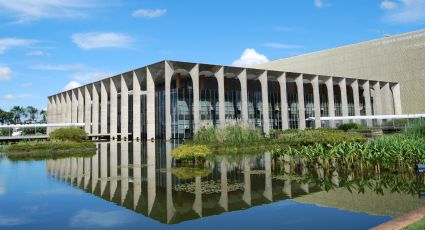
139 177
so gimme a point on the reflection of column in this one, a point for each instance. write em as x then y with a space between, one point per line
113 168
103 108
331 101
219 75
268 192
283 101
80 171
368 107
95 170
113 128
194 73
304 170
344 100
388 99
124 171
197 205
68 174
287 186
87 169
136 107
170 205
396 99
244 97
137 173
87 110
301 108
224 201
74 106
335 178
265 102
316 96
168 74
150 104
103 166
247 182
151 176
80 108
95 105
124 108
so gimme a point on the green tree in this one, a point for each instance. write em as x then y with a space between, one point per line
32 112
17 112
43 114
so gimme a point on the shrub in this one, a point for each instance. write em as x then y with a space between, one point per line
350 126
68 134
191 152
234 135
415 128
321 136
186 173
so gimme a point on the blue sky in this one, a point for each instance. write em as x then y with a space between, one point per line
46 45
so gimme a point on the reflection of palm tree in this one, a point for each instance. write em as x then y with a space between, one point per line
43 114
32 111
17 112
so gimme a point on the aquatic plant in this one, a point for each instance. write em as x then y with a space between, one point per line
185 173
415 128
231 135
191 152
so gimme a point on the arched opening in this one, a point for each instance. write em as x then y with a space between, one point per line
181 93
232 95
255 106
209 102
275 114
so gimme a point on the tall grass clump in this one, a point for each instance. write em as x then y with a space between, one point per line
68 134
350 126
232 135
415 128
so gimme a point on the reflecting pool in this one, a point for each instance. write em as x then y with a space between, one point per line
137 185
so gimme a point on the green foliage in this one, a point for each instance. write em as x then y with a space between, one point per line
320 136
5 132
350 126
415 128
68 134
32 131
420 225
185 173
234 135
191 152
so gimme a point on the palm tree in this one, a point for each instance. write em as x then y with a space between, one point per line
3 115
43 114
17 112
32 111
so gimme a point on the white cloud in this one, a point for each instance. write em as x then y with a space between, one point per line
277 45
149 13
36 53
14 97
71 85
404 11
90 76
318 3
93 40
6 43
57 67
250 57
12 221
5 73
25 10
93 219
26 85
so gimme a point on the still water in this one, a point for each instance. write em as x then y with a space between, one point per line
134 185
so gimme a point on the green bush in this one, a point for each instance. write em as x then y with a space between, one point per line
191 152
321 136
233 135
350 126
415 128
68 134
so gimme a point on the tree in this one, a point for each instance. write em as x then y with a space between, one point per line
2 116
17 112
43 114
32 111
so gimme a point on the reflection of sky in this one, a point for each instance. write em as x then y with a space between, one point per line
94 219
6 221
2 186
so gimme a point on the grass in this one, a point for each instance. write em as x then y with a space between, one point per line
40 150
417 226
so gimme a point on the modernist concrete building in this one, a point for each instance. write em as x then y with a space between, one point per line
398 58
172 100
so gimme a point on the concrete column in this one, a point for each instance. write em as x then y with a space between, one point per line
194 73
63 110
265 102
388 100
68 107
136 107
368 107
74 106
244 97
377 104
87 110
113 116
283 101
58 115
221 97
316 98
124 108
103 108
168 74
397 99
151 175
150 104
331 101
301 108
95 105
49 113
355 88
80 107
344 100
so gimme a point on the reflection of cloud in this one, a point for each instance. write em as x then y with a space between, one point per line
2 186
93 219
12 221
58 191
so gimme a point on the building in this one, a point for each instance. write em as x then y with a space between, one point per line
398 58
172 100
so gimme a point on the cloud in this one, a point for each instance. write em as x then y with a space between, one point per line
149 13
93 219
321 4
5 73
36 53
90 76
26 85
404 11
25 10
15 97
93 40
250 57
71 85
49 67
276 45
6 43
12 221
